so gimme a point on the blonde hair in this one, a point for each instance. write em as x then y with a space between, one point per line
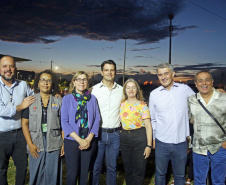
72 87
139 94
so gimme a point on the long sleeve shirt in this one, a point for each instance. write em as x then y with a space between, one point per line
207 134
68 111
109 104
169 113
10 97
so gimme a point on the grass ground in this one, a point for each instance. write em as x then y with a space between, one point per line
149 178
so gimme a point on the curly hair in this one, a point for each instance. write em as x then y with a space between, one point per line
55 85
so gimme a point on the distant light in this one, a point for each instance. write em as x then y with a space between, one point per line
56 67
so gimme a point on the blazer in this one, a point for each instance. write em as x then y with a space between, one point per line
53 136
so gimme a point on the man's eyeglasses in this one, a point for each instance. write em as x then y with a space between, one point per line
43 80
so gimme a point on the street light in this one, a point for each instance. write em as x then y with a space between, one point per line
170 15
124 60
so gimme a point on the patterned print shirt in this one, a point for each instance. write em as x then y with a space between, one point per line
132 115
207 134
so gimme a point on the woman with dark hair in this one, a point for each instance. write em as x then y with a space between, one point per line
42 131
80 119
136 134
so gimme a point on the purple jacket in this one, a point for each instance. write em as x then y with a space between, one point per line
68 110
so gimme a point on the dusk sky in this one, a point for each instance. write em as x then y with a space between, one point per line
80 34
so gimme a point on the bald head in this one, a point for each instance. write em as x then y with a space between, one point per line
7 68
8 58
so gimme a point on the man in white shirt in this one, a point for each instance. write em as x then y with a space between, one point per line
169 116
109 95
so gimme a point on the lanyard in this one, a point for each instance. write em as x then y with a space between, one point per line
11 94
44 111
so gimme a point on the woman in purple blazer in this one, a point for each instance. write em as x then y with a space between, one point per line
80 119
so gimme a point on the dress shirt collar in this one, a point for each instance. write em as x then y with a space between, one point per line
16 82
174 85
214 96
102 85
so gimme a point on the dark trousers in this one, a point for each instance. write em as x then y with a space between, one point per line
190 165
133 144
78 161
13 144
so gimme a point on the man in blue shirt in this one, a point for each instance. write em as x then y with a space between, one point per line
14 97
169 116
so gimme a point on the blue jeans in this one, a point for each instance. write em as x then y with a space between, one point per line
218 167
177 153
108 146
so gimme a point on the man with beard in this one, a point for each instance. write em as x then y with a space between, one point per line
169 116
14 97
209 143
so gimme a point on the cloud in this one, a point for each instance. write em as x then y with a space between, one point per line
208 31
140 66
198 67
138 56
49 21
143 71
149 49
92 65
107 48
178 28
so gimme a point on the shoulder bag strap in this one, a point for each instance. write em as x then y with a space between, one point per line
210 114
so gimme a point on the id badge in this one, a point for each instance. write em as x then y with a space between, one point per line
44 127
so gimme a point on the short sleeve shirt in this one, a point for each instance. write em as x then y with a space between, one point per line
132 115
25 113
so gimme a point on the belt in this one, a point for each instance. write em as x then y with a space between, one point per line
133 130
110 130
11 131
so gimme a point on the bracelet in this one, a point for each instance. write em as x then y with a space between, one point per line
149 146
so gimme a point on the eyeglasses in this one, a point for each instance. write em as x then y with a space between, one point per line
43 80
81 80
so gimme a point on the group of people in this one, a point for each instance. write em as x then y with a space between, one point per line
91 124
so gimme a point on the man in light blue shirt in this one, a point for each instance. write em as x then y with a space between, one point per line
170 122
14 97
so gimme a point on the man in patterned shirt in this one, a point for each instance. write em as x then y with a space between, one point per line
209 143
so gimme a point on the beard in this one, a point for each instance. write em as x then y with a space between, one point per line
8 78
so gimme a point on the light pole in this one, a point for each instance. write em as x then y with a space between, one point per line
51 68
124 67
170 31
